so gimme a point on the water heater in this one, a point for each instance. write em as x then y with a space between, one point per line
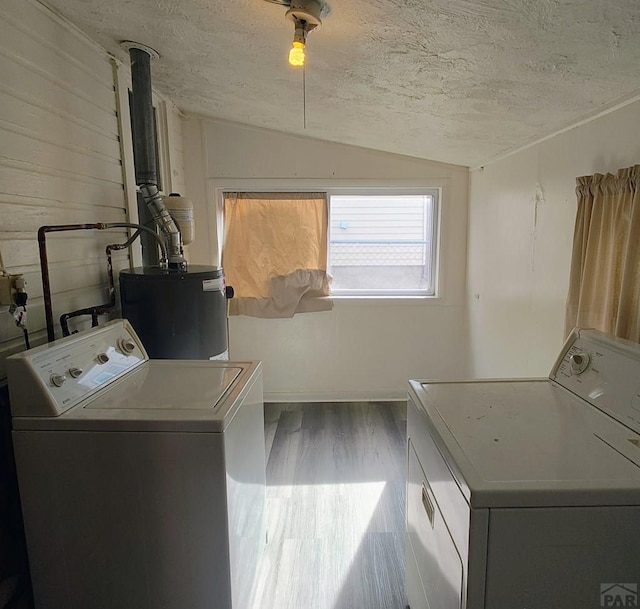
177 314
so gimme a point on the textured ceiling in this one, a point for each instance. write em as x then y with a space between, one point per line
460 81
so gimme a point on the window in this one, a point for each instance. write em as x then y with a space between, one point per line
280 248
383 244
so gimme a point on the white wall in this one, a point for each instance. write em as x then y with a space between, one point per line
363 348
521 217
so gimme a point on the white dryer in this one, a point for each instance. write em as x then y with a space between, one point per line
142 481
525 493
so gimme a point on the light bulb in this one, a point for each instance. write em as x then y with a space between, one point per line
296 54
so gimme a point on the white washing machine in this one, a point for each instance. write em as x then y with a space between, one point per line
525 494
142 481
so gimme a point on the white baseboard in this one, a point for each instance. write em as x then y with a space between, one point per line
374 395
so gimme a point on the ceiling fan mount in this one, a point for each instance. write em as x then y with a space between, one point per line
310 11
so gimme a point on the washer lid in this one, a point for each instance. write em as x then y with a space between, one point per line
177 386
160 395
530 442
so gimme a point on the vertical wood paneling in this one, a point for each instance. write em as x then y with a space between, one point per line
60 162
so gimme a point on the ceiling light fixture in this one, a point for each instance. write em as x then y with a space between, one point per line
306 16
296 54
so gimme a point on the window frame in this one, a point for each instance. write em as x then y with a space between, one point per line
436 193
341 187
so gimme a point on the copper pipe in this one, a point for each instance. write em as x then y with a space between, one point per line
104 309
44 268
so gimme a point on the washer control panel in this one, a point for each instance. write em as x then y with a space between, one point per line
50 379
603 370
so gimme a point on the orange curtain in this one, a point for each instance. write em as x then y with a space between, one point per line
604 285
274 253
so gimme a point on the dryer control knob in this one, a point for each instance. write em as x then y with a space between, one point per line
102 358
579 362
58 379
75 372
126 345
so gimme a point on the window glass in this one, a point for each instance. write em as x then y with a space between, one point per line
383 244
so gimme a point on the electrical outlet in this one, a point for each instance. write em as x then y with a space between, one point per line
8 288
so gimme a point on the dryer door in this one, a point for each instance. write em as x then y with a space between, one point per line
435 558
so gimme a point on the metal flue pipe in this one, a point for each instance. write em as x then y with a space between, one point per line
145 150
142 116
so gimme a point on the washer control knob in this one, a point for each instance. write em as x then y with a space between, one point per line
102 358
579 362
58 379
74 373
126 345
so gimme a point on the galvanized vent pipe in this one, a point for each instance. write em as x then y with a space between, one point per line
144 137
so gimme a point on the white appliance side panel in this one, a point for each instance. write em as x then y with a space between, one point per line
438 562
416 596
155 501
444 485
246 470
477 571
541 558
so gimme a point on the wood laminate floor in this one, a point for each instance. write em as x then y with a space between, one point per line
335 507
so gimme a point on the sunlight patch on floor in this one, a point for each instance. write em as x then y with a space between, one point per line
315 533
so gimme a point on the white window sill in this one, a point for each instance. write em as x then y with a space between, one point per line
387 300
385 296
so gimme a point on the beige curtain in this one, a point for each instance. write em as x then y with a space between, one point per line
604 286
274 253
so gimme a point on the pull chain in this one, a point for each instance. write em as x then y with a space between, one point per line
304 96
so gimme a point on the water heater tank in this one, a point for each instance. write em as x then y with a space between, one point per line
177 314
